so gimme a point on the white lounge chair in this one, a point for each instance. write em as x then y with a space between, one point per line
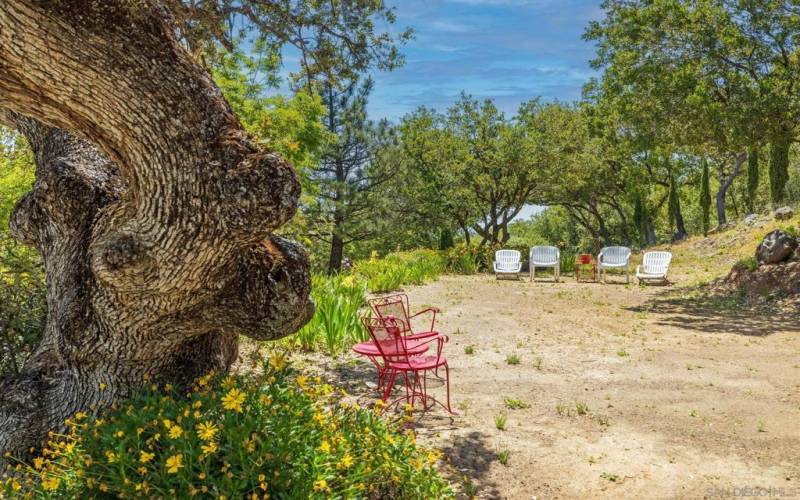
543 256
614 258
507 263
654 268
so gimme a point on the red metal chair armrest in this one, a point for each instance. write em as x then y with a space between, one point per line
434 310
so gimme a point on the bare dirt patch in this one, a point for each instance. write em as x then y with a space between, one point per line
627 392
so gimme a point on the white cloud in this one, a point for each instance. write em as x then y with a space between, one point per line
450 27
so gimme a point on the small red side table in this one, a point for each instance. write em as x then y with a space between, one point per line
370 350
585 264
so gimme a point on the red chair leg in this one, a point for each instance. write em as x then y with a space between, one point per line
447 383
387 391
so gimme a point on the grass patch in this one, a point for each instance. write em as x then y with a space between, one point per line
610 477
502 456
515 404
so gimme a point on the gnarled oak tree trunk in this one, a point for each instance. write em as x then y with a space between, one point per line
153 211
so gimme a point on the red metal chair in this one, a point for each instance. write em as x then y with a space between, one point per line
393 345
397 306
585 263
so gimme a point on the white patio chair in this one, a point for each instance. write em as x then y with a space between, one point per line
543 256
507 263
614 258
654 268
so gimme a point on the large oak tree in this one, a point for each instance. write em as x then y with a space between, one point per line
152 208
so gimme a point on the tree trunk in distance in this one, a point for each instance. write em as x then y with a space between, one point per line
336 255
723 188
752 179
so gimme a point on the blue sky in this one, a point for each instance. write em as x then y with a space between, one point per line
507 50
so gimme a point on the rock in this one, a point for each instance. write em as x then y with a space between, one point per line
777 247
784 213
750 219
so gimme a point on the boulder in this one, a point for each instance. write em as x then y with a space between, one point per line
784 213
778 246
750 219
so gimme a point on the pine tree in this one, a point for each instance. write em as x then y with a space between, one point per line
778 169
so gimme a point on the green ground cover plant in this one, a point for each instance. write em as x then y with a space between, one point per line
274 434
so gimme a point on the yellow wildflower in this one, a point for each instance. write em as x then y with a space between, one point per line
102 386
175 432
174 463
433 457
277 361
145 457
233 400
320 485
206 430
209 448
302 380
325 447
38 462
167 423
347 461
51 483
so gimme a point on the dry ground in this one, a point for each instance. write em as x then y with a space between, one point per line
682 396
631 392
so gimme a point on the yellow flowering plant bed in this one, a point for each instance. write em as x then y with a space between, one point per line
278 434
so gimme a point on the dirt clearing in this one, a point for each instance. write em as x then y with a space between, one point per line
620 391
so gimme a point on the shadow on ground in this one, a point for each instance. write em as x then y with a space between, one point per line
706 310
471 457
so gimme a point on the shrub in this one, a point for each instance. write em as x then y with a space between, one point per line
748 263
23 304
277 433
339 300
400 268
463 259
335 324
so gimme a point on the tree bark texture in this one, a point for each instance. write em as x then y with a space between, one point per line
153 211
